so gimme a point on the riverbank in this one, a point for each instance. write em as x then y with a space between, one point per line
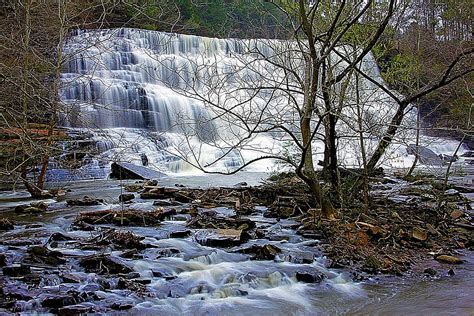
168 248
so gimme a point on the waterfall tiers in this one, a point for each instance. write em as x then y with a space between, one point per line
173 96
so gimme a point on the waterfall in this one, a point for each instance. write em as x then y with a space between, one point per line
148 93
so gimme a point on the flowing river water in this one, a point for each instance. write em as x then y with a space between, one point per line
179 276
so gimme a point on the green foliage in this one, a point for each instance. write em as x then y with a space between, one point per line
403 72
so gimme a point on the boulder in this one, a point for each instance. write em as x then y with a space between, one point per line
261 252
16 270
85 201
71 278
40 254
168 252
299 257
180 234
430 271
219 237
58 301
121 306
448 259
126 197
165 213
166 202
33 208
211 219
126 170
103 264
241 184
309 277
425 155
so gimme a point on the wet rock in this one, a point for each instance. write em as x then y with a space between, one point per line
219 237
30 226
103 264
310 234
121 306
126 197
241 184
59 237
299 257
168 252
165 213
200 288
58 301
448 259
70 278
181 217
451 192
34 279
309 277
430 271
131 254
121 218
153 194
3 260
261 252
76 310
161 274
212 219
180 234
131 275
131 285
85 201
5 225
32 208
79 224
419 234
464 188
40 254
133 187
165 203
41 205
142 281
160 193
16 270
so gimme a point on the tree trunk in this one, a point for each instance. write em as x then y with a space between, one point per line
308 173
387 139
330 153
417 145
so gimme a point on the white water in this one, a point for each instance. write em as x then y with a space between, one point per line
139 92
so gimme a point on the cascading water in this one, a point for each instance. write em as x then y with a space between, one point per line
168 96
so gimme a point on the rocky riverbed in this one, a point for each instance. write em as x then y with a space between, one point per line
149 248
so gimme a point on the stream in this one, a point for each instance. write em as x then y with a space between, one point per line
181 276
